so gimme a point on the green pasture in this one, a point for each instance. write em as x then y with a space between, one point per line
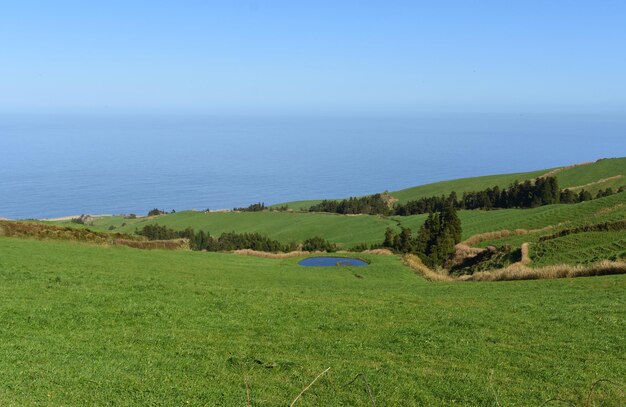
88 325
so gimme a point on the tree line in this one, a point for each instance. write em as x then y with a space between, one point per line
255 207
528 194
370 205
230 241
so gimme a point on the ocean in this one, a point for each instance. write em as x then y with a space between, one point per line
52 166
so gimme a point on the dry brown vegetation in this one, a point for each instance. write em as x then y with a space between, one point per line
420 268
379 252
42 231
519 271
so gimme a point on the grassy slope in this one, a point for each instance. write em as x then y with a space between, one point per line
116 326
569 177
601 169
284 226
351 230
580 248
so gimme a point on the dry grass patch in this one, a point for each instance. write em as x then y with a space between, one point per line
519 271
416 264
379 252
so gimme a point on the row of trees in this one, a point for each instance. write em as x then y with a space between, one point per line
255 207
376 204
232 241
528 194
435 241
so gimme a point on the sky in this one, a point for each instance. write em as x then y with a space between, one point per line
277 57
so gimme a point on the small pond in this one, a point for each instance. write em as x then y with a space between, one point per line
331 261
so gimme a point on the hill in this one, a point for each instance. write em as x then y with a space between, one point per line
593 176
88 325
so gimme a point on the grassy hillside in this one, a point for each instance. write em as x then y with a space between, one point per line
586 175
349 231
86 325
283 226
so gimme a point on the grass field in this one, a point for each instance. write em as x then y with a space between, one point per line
580 248
85 325
283 226
349 231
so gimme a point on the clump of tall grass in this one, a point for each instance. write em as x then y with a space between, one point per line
379 252
420 268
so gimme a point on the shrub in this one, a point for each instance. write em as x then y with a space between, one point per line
156 212
318 244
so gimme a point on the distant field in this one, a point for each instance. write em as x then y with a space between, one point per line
283 226
86 325
349 231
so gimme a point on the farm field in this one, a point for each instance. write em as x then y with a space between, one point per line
87 325
348 231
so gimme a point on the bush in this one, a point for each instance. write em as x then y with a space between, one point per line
156 212
318 244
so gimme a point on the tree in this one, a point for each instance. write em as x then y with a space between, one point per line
389 234
584 196
451 222
156 212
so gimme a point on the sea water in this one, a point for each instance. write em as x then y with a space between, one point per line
52 166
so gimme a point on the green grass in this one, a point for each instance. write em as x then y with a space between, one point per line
580 248
587 174
349 231
85 325
607 209
286 227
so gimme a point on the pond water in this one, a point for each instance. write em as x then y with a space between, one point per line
331 261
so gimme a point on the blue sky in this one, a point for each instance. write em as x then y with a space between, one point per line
312 56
